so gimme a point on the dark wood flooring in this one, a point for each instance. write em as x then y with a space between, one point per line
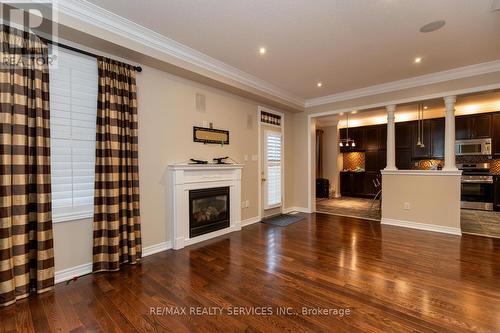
391 279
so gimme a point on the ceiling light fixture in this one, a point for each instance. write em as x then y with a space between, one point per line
417 60
426 107
433 26
347 142
319 84
262 50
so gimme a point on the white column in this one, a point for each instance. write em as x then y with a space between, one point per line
449 134
391 138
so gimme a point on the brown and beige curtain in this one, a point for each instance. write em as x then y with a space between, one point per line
26 245
117 232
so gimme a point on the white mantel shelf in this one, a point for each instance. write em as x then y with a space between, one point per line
184 177
210 166
422 172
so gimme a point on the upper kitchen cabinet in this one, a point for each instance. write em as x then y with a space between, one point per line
382 137
481 126
495 149
357 134
437 138
372 134
473 127
403 135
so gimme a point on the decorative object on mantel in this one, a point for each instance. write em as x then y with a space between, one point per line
220 160
193 161
210 135
270 118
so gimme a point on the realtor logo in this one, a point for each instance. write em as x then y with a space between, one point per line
38 21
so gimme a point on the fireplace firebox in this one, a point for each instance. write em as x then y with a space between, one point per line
208 210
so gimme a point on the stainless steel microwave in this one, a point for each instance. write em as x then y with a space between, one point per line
473 147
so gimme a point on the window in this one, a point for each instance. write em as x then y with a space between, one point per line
73 113
273 169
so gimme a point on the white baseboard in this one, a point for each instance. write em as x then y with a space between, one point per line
76 271
160 247
422 226
296 209
69 273
250 221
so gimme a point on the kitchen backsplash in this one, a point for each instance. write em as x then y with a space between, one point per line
354 160
427 164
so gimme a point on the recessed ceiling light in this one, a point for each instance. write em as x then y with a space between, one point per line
262 50
426 107
319 84
354 112
417 60
433 26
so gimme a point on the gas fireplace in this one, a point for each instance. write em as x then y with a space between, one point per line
208 210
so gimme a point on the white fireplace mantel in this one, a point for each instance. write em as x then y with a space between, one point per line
186 177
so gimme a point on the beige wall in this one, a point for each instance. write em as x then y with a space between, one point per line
331 158
433 199
167 114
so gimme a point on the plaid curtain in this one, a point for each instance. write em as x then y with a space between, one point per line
117 232
26 245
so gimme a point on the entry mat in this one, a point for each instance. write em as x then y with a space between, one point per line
283 220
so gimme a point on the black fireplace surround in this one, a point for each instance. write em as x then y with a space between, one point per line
208 210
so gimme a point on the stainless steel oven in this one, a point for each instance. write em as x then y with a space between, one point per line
476 186
473 147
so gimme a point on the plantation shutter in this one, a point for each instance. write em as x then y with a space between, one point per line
73 112
273 165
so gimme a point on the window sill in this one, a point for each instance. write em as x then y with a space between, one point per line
72 217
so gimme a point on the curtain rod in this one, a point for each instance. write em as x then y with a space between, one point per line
71 48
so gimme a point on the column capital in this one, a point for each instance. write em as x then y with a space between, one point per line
450 100
390 108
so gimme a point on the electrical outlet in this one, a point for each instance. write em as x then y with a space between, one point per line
407 206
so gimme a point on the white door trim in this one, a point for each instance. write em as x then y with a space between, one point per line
259 152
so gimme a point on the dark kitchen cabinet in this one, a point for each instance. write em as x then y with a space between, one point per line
496 193
357 134
346 184
496 135
369 184
462 128
382 159
372 138
481 126
382 137
421 152
473 127
403 133
371 161
403 159
357 184
437 138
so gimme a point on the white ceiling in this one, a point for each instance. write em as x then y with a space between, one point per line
344 44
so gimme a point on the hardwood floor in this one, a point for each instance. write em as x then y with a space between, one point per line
391 279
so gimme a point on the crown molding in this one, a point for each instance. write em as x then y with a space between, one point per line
104 19
417 81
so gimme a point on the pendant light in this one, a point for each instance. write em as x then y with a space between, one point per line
346 142
420 126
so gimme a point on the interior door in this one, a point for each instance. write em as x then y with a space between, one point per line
272 171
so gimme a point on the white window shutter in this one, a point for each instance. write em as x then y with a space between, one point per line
273 169
73 113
